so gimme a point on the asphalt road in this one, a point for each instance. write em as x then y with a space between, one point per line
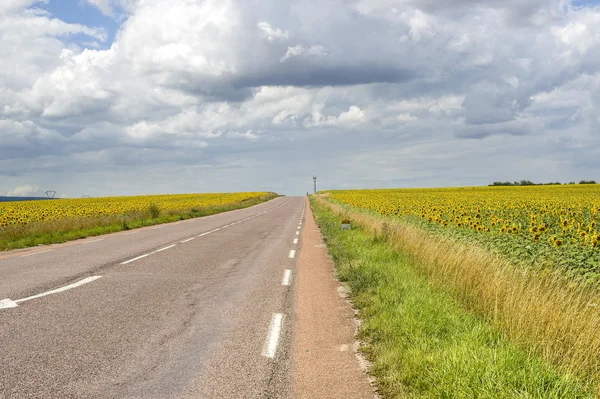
200 308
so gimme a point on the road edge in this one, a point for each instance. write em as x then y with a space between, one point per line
324 342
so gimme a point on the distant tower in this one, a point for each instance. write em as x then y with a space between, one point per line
51 193
315 179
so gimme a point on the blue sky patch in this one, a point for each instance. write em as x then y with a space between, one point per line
78 12
586 3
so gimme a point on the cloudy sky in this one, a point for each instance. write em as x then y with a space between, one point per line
123 97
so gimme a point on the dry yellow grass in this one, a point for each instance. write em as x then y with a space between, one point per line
556 318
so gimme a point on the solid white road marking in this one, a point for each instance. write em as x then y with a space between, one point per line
292 253
295 241
188 240
287 277
156 227
35 253
7 303
130 233
89 242
270 347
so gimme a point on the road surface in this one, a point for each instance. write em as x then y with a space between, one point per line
196 309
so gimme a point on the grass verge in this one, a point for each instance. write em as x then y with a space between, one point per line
421 341
72 229
549 314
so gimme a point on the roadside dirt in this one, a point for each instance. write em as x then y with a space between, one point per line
324 363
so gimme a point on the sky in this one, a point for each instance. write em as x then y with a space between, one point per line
133 97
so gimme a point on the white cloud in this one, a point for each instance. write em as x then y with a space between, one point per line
24 191
272 34
188 123
421 25
105 6
248 135
352 117
12 6
315 50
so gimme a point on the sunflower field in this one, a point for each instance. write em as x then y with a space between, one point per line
549 225
43 211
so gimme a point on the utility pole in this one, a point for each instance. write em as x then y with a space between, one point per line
315 179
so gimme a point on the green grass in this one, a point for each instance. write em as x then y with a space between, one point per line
72 229
421 343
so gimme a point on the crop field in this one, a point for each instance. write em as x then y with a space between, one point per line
524 259
30 223
547 225
426 339
21 213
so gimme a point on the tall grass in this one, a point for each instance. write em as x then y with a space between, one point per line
547 314
421 341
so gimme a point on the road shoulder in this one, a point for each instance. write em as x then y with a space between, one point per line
324 364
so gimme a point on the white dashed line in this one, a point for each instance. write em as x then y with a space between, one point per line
171 246
287 277
298 233
134 259
148 254
292 254
36 253
270 347
165 248
7 303
89 242
295 241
